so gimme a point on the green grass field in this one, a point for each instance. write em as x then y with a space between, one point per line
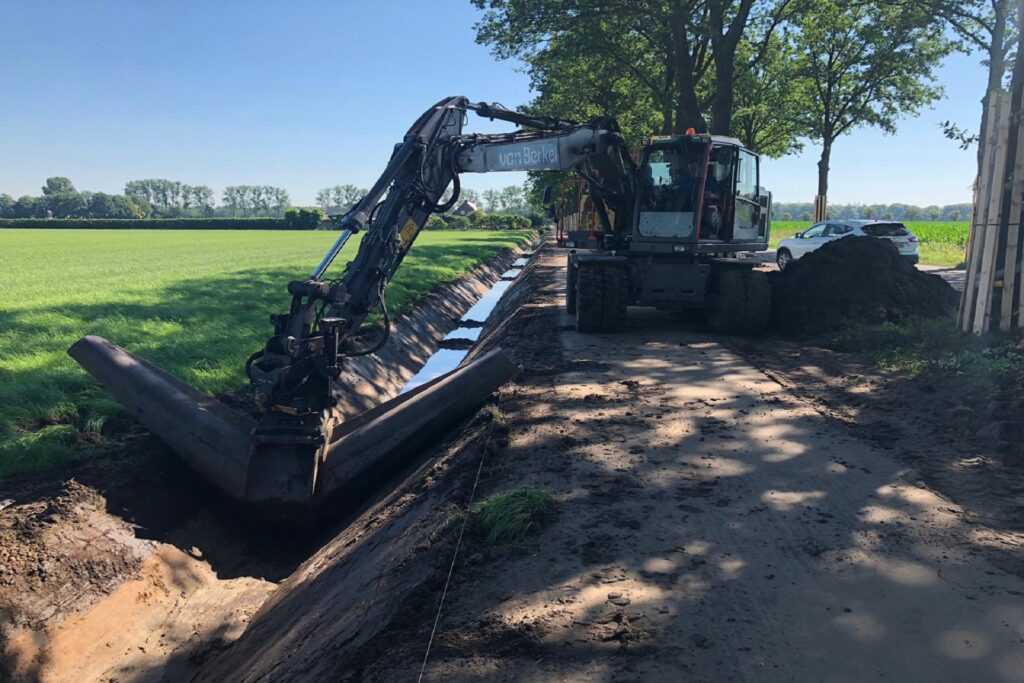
943 243
194 302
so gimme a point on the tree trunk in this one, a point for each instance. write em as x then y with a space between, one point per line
725 37
826 154
688 113
721 105
667 100
996 67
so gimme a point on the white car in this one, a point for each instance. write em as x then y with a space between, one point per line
792 248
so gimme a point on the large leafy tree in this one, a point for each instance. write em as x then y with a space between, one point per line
767 107
989 27
575 81
656 65
864 64
58 185
553 36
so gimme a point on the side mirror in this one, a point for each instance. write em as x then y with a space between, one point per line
548 193
799 235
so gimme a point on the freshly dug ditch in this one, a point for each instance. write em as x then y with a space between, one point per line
129 567
387 567
854 281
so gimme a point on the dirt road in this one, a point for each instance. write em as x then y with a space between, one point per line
712 526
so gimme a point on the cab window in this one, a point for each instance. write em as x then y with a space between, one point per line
667 200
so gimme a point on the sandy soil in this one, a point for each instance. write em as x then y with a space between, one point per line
140 582
713 526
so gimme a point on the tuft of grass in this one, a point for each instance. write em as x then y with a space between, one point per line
492 413
510 517
194 302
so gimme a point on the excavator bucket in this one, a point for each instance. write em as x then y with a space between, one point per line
218 442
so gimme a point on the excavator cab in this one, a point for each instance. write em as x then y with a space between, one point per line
698 193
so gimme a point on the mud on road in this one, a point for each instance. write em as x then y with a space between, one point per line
713 525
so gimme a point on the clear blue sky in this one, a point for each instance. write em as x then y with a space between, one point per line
304 94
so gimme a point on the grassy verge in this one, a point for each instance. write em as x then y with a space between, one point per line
942 242
935 350
193 302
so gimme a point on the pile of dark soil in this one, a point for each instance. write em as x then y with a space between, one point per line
855 281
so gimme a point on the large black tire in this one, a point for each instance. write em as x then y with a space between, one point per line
741 303
602 295
570 286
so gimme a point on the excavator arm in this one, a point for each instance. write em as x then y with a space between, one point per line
298 447
294 373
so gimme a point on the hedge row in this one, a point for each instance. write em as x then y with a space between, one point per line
149 223
478 220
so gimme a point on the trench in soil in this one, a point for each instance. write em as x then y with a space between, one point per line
457 344
165 507
272 548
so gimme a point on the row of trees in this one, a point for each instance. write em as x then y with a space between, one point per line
255 200
901 212
60 199
171 198
161 198
775 73
151 198
512 199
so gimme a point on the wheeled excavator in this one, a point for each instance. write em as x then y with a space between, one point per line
671 225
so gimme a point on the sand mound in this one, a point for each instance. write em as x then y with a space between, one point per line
854 281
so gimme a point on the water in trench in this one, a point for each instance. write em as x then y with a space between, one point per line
445 360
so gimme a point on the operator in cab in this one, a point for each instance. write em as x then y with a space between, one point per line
689 186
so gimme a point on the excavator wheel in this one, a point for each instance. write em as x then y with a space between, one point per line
601 297
742 302
570 286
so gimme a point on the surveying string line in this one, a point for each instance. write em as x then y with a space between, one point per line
455 555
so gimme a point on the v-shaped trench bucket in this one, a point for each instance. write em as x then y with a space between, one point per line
217 441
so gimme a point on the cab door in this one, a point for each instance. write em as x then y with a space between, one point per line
747 207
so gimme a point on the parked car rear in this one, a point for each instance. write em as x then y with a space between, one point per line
793 248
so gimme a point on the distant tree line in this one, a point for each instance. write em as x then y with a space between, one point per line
170 198
804 211
512 199
60 199
255 200
150 198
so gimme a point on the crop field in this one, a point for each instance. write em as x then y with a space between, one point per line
194 302
943 243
